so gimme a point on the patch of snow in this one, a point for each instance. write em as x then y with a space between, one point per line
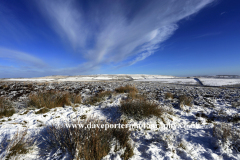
29 79
172 80
219 82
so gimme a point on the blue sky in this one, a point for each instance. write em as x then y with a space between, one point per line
165 37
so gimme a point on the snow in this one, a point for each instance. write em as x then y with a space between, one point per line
30 79
185 136
173 80
142 76
75 79
219 82
184 141
104 78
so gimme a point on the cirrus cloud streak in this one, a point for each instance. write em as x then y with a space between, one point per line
117 32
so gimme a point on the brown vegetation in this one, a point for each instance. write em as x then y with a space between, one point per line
51 99
185 100
126 89
131 90
6 108
18 145
98 97
140 108
85 143
224 132
168 95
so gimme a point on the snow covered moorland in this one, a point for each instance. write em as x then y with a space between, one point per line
219 82
136 77
118 118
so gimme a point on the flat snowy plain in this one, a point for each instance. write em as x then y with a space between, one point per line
219 82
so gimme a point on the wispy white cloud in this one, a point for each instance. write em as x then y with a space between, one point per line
21 58
208 34
22 64
223 13
113 31
119 32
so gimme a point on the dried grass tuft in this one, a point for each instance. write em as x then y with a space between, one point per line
140 108
18 145
126 89
6 108
185 100
168 95
51 99
84 143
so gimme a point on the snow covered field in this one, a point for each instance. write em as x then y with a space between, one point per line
219 82
30 79
172 80
187 132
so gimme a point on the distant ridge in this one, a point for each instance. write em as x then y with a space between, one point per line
93 77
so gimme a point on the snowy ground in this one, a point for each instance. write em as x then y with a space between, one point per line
219 82
187 135
157 143
30 79
172 80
